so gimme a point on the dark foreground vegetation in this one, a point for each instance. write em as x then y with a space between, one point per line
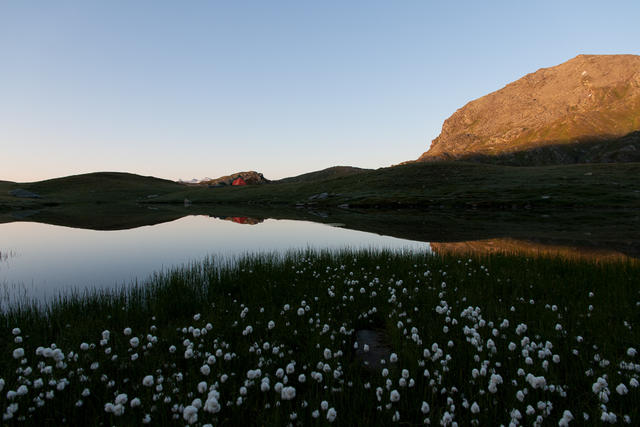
272 340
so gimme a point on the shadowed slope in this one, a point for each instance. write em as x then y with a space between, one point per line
329 173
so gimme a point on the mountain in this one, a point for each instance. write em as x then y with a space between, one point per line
194 180
584 110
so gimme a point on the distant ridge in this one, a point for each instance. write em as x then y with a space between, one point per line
194 180
549 115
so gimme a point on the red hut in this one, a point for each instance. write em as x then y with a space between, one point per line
239 181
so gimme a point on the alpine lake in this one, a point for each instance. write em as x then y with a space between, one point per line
44 256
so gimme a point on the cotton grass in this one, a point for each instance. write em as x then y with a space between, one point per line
272 340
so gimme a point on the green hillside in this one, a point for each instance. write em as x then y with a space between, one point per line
91 187
328 173
454 184
416 185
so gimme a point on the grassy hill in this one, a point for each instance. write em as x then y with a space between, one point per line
324 174
416 185
102 186
88 188
454 184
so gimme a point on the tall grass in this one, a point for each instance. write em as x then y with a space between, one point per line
444 317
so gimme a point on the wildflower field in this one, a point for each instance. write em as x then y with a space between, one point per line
273 340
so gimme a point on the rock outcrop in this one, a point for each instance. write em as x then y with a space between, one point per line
584 110
250 177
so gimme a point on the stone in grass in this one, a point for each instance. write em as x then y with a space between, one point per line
378 348
19 192
320 196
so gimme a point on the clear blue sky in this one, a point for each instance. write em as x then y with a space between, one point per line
186 89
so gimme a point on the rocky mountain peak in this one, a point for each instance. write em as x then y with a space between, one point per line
590 98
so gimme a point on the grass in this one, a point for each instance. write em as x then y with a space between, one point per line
453 318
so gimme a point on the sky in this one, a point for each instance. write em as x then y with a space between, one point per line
183 90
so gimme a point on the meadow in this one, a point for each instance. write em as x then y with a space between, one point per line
273 339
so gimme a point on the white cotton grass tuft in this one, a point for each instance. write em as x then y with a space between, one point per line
147 381
18 353
494 381
190 414
288 393
331 415
622 389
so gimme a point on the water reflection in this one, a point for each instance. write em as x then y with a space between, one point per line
531 248
55 258
80 252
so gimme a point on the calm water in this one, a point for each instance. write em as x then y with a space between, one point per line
41 260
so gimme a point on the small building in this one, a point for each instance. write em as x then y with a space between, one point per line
239 181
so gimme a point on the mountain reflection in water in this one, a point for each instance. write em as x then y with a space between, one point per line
524 247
